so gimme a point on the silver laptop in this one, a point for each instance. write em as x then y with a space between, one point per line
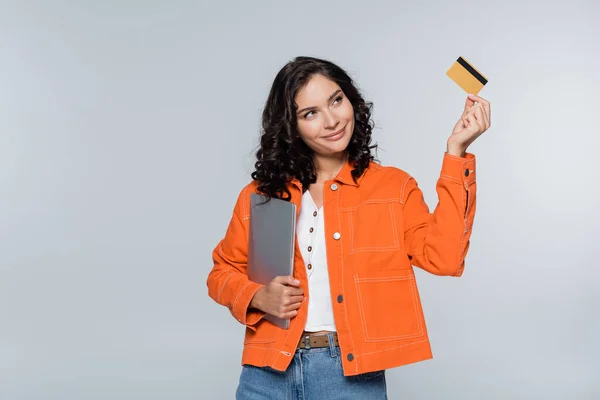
271 243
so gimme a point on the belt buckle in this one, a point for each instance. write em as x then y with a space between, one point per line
307 342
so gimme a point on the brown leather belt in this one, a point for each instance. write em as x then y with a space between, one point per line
310 340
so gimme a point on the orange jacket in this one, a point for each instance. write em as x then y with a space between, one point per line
376 229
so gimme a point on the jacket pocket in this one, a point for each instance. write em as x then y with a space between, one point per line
266 332
389 307
373 226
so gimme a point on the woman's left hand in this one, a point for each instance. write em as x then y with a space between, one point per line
475 120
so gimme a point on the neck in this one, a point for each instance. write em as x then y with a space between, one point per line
327 168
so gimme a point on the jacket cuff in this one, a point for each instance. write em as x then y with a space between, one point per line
241 311
252 317
459 169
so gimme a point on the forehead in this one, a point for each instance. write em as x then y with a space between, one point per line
316 91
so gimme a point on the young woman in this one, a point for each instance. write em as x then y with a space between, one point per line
352 300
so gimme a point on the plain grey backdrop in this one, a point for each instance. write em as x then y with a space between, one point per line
127 129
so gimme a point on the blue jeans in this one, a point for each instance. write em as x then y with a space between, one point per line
313 374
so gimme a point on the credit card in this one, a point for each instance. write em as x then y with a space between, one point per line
466 76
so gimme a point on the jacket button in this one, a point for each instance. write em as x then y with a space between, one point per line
350 357
309 266
467 172
309 248
334 187
337 236
340 298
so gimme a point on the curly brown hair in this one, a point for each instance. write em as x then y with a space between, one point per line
283 155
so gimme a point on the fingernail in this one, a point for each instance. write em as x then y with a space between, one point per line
296 281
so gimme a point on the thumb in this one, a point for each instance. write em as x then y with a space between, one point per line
469 103
286 280
292 281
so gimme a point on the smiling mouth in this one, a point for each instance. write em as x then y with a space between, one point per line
334 133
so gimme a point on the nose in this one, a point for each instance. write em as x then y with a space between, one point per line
331 120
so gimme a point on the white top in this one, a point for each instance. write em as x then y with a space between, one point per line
310 231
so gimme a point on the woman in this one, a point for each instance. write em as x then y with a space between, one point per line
353 300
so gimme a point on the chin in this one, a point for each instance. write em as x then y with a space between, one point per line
337 148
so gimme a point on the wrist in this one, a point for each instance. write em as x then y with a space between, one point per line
456 150
256 299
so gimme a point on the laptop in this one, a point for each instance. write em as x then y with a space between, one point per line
271 243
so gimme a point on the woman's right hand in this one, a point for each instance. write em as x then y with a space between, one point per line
282 297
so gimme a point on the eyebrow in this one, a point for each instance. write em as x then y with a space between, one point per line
313 108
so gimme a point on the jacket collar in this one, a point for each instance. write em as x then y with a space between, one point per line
344 176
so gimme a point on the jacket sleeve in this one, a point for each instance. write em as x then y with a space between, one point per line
228 282
438 242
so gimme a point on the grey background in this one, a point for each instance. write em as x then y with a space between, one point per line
128 128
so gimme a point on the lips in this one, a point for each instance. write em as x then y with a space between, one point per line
334 134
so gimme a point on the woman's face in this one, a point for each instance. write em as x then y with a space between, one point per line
325 116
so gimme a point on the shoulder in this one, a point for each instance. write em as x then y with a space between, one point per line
386 173
387 181
242 204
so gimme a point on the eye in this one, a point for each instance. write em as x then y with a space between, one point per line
338 99
308 114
